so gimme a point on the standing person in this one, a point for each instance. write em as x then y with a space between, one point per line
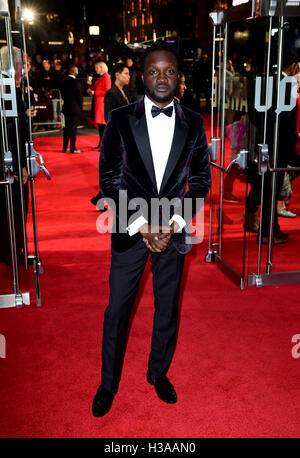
287 137
16 141
59 74
46 77
202 81
72 97
181 87
99 89
151 149
37 63
115 97
132 88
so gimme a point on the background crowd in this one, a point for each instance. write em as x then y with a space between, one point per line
112 83
47 73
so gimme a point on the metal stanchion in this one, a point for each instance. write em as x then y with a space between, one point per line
12 159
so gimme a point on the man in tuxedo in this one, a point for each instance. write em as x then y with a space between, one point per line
72 97
151 149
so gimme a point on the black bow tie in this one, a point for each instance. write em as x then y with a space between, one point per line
155 111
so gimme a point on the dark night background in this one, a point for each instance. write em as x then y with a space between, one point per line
55 18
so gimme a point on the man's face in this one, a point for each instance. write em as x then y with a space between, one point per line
124 77
293 69
160 76
46 65
181 86
129 62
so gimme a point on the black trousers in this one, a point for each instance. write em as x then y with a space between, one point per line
5 254
254 198
70 130
125 275
101 128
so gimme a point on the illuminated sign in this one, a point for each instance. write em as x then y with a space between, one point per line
94 30
239 2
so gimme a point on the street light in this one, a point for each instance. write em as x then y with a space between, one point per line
28 15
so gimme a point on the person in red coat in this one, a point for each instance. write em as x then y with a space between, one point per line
99 89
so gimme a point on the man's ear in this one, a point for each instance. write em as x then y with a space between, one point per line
142 76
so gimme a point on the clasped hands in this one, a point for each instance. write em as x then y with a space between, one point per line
158 239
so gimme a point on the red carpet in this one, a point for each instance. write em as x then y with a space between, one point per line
233 369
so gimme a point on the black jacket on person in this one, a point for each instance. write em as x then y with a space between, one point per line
14 138
114 99
72 96
126 164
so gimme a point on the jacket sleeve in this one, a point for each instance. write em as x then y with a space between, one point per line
79 97
112 154
199 178
109 104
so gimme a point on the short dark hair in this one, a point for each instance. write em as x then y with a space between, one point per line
119 67
159 46
71 68
289 57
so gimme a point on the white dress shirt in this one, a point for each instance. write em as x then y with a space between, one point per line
161 133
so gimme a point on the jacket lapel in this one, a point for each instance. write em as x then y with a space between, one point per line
138 125
179 138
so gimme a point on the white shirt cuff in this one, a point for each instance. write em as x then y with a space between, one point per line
179 220
133 228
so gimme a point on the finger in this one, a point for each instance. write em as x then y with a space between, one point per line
147 244
156 250
159 245
155 246
165 229
157 239
164 236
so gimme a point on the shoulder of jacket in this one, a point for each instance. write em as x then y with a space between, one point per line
120 112
191 115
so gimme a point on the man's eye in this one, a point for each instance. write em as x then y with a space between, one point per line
153 72
170 71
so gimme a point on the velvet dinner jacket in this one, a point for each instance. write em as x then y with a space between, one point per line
126 164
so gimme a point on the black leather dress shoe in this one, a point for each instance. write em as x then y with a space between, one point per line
102 402
281 235
164 388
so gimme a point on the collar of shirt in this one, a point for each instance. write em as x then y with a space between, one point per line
148 106
72 76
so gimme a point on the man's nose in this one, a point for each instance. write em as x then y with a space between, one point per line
162 77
